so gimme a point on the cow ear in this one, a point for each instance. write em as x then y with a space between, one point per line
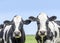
27 22
32 18
1 26
7 22
52 18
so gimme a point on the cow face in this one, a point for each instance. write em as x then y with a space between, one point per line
43 24
17 24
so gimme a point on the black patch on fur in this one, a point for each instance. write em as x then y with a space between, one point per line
6 35
55 34
59 32
52 18
1 26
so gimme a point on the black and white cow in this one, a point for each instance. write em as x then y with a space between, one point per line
7 26
15 31
48 29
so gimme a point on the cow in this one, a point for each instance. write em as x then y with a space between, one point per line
7 25
15 31
47 28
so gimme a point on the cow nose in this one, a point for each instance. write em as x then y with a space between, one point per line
17 33
42 32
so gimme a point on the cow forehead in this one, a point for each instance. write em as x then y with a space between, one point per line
17 19
42 16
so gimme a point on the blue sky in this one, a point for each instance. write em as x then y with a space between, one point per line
26 8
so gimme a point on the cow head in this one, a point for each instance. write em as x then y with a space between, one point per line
44 24
17 26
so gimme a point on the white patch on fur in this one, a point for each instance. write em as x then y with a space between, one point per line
57 40
51 26
49 41
17 21
42 18
7 28
0 39
0 30
10 41
56 29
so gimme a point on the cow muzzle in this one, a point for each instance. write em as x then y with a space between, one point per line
17 34
42 33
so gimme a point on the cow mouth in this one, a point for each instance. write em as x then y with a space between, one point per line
17 36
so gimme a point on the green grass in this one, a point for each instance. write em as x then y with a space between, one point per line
30 39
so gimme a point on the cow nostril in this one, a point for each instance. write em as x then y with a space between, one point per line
42 32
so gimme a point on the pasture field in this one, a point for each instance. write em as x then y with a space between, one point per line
30 39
